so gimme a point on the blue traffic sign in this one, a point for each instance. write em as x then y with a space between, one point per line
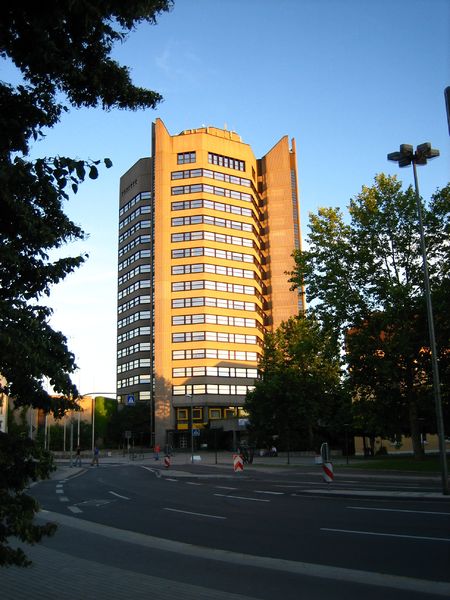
130 399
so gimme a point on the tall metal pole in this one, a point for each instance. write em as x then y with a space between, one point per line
93 424
434 363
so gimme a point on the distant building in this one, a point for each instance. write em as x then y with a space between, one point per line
206 233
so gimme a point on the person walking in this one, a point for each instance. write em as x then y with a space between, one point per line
95 457
157 451
78 457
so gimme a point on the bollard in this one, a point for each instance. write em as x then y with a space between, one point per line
238 463
328 474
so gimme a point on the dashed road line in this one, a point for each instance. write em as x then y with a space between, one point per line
268 492
187 512
75 509
192 483
241 498
119 496
394 535
402 510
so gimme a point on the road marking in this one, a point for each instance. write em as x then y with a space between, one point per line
395 535
266 492
60 491
187 512
192 483
241 498
64 499
419 512
154 471
119 496
75 509
225 487
170 479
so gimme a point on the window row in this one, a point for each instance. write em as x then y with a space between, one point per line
139 363
197 413
213 319
214 336
142 210
219 302
226 161
136 380
144 315
133 273
134 201
210 388
129 335
211 189
141 225
133 302
138 285
215 372
212 175
216 253
197 353
184 158
133 258
215 221
129 350
213 237
142 239
211 204
220 286
215 269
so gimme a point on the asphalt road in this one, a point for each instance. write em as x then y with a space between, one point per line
303 544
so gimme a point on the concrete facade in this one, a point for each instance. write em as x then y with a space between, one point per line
206 234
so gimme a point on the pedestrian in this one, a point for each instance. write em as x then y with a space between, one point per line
95 457
78 457
273 451
157 450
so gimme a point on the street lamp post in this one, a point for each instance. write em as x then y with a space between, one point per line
191 412
405 157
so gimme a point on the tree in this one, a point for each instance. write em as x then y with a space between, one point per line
62 51
298 397
365 279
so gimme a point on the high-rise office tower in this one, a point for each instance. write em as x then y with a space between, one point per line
206 235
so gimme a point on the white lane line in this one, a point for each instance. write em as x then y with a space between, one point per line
187 512
60 491
418 512
267 492
64 499
119 496
225 487
75 509
170 479
241 497
395 535
192 483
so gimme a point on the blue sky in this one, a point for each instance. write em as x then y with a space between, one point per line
350 80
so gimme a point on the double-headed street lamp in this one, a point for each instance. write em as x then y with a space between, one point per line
405 157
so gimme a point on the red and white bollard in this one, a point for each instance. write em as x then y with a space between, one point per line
167 461
238 463
328 474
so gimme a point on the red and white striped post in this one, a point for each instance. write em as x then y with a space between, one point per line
238 463
328 474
